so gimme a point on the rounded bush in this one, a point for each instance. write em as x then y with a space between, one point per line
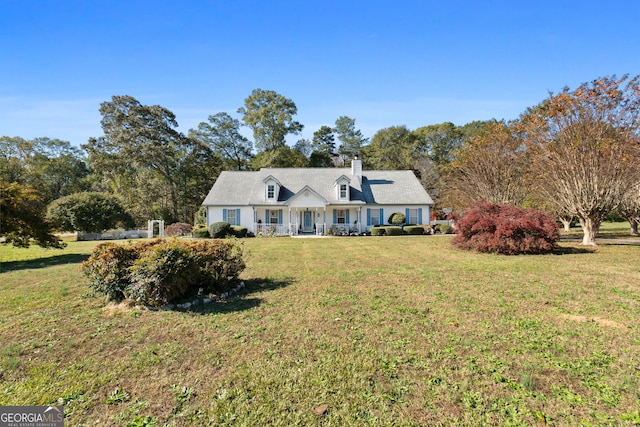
397 218
201 233
414 230
178 229
505 229
220 230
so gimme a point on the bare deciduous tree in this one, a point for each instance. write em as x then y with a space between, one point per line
629 208
585 150
490 167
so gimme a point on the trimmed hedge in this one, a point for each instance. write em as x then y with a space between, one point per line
387 230
220 230
201 233
414 229
158 272
377 231
239 231
505 229
393 231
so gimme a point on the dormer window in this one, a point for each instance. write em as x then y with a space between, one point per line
343 191
342 188
271 188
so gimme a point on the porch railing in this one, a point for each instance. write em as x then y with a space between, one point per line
272 229
321 229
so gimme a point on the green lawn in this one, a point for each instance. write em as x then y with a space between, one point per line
335 332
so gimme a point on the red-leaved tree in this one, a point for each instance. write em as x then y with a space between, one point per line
505 229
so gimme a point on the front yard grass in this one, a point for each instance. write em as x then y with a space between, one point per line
341 331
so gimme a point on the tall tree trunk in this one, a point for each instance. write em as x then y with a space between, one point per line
634 227
590 228
566 223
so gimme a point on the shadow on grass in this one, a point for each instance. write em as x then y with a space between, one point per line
42 262
571 250
241 300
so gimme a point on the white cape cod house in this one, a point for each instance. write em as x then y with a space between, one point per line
291 201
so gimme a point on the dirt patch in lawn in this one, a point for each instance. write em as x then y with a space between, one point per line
605 323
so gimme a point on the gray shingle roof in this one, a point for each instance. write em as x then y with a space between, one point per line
378 187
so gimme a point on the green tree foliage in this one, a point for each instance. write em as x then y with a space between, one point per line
51 166
439 142
143 159
22 217
323 148
351 139
283 157
222 136
270 116
391 148
89 212
303 146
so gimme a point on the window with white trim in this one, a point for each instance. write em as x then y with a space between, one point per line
375 216
413 217
341 216
271 191
343 191
231 216
273 217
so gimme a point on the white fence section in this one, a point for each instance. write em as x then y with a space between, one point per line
114 235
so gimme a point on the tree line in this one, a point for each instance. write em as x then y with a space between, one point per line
575 155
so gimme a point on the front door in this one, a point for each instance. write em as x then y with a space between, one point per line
307 221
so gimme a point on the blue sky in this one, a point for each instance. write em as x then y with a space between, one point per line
383 63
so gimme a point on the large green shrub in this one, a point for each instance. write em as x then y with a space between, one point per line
88 212
220 262
162 274
160 271
220 230
108 269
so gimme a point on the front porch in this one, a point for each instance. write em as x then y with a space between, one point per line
292 229
306 221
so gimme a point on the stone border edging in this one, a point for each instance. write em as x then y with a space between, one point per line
199 301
